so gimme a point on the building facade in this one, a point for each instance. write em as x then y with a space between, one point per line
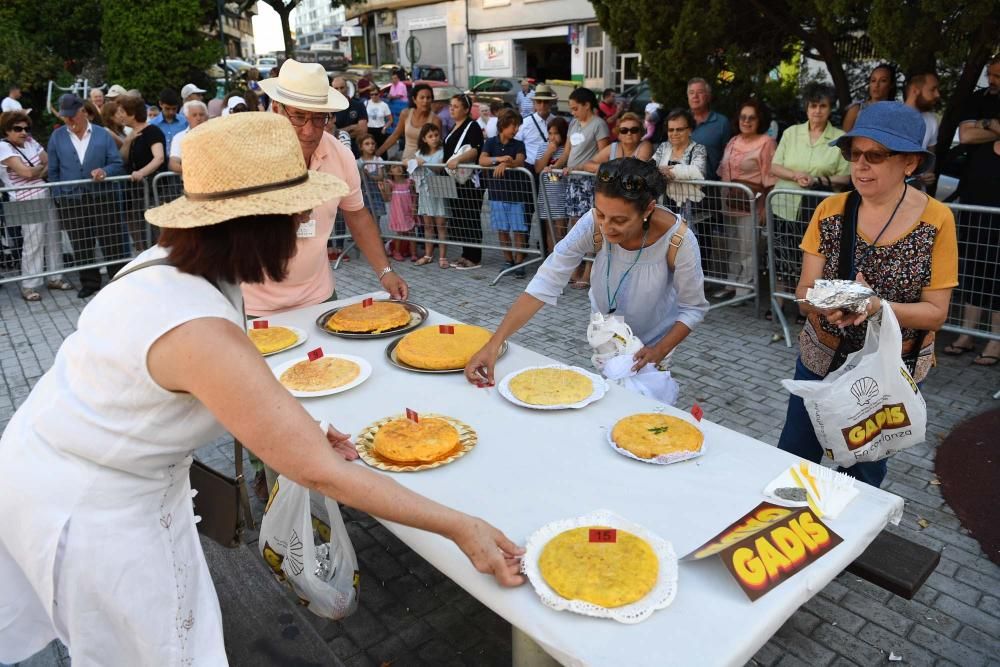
237 28
556 40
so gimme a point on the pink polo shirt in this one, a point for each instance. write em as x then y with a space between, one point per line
310 278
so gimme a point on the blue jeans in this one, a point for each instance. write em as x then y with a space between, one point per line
798 436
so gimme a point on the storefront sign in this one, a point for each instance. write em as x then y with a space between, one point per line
427 22
494 55
768 545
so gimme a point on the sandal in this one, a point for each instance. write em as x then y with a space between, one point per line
426 259
29 294
60 285
986 360
957 350
443 263
579 284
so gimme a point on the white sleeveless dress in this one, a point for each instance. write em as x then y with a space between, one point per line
98 544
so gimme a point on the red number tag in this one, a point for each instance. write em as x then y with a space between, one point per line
260 324
367 302
603 535
316 354
446 328
412 416
697 411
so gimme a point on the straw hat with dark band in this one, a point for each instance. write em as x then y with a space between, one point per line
304 86
241 165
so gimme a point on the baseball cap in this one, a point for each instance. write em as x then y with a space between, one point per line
69 104
114 91
190 89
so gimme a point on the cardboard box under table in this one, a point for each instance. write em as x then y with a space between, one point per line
531 467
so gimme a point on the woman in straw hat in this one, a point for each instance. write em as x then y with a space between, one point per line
98 544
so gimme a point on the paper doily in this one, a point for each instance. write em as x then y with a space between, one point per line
661 459
365 444
659 598
600 388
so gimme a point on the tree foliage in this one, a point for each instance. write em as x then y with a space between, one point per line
739 44
153 45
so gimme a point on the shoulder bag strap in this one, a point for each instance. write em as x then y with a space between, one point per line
21 153
845 267
676 241
244 498
538 127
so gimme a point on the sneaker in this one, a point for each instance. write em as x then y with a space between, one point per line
724 293
508 265
519 272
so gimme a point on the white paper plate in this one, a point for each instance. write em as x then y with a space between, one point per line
662 459
366 371
601 387
300 333
660 597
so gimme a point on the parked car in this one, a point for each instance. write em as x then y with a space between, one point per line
430 73
637 97
265 63
503 89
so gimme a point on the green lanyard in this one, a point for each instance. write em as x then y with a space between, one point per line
613 299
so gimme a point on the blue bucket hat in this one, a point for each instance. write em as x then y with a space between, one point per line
898 127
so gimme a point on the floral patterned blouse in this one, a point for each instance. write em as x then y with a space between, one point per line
926 257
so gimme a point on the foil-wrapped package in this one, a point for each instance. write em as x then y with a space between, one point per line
839 295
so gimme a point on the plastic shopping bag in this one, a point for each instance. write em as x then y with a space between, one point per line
325 576
614 347
870 407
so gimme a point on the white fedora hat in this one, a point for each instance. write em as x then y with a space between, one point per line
304 86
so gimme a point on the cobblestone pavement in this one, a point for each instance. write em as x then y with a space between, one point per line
410 614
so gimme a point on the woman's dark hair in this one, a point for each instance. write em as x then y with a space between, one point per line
11 118
814 93
422 144
680 113
108 116
892 80
508 117
633 180
759 108
561 126
242 250
583 95
415 90
93 113
133 106
463 99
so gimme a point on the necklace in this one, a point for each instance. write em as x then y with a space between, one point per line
613 298
884 227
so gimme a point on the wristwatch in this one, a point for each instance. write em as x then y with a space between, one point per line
384 272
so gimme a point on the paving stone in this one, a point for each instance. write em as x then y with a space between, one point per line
393 651
768 655
847 643
804 647
889 642
835 614
987 643
949 649
378 559
877 613
980 620
954 588
924 615
364 628
437 652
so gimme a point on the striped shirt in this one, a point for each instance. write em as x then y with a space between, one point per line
29 155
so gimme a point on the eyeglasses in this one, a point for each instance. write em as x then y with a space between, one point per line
678 129
633 185
300 119
629 130
747 119
871 157
21 128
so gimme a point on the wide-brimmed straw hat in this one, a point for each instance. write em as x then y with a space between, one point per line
895 125
545 92
241 165
304 86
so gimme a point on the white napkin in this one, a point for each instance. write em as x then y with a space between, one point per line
648 381
682 192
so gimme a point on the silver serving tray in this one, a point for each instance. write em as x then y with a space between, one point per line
390 354
418 315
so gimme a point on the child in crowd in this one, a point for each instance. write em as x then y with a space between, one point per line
430 150
552 202
398 192
504 152
372 175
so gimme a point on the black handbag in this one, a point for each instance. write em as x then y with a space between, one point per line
221 501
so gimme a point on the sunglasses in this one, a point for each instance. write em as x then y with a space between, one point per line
633 185
748 119
629 130
21 128
871 157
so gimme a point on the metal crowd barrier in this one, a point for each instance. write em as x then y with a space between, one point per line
498 214
724 221
54 228
167 186
978 228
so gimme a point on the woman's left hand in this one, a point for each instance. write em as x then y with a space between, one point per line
136 176
647 355
341 443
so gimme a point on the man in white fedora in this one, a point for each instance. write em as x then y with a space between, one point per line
302 94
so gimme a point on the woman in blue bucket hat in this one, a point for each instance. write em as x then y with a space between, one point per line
903 246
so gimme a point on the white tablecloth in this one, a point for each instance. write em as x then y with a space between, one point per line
532 467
